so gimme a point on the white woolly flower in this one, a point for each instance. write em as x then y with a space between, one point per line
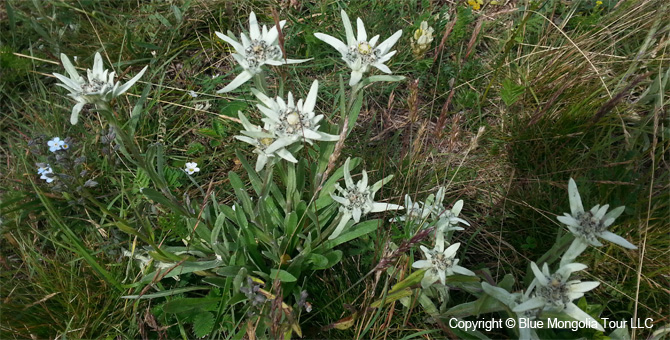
415 212
45 171
358 199
360 53
262 138
440 263
56 144
511 300
587 226
554 293
191 168
98 87
291 121
260 48
422 38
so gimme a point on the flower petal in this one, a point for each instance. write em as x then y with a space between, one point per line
310 101
347 175
531 303
239 80
69 68
612 215
351 40
254 30
357 214
340 226
285 154
576 206
451 250
421 264
97 64
74 117
123 88
579 315
568 220
583 287
387 44
360 27
463 271
576 248
236 45
614 238
379 207
355 77
382 68
539 275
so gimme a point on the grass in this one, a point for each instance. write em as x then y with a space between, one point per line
563 90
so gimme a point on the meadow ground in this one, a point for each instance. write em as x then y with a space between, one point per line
510 100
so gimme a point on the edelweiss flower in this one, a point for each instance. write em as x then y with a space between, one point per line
358 199
260 48
440 263
56 144
555 293
262 138
360 53
99 88
191 168
416 212
588 225
45 171
292 122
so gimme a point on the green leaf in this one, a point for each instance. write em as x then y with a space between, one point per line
181 305
166 293
230 109
318 261
158 197
283 275
184 268
360 230
510 91
203 324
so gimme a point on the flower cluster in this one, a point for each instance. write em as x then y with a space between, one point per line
57 144
555 292
99 87
45 172
588 226
260 48
360 53
421 40
357 199
440 262
285 123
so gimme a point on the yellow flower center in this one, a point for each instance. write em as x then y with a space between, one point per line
293 118
266 141
364 48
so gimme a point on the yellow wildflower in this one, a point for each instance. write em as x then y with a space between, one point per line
476 4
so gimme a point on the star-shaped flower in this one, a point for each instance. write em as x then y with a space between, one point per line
262 139
358 199
260 48
440 263
587 226
292 122
98 88
554 293
56 144
46 172
191 168
360 53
